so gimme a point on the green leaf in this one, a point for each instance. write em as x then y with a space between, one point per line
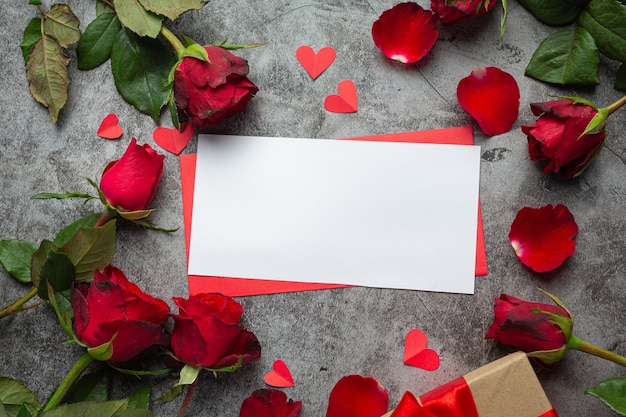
172 8
554 12
188 374
46 72
103 7
611 392
137 19
94 47
606 22
88 408
102 352
140 68
135 215
135 412
14 395
62 196
39 258
15 257
620 78
90 249
93 386
32 35
24 411
68 231
58 271
140 398
566 57
171 394
62 24
62 306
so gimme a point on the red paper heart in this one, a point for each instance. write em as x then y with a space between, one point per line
280 376
416 354
315 63
173 140
344 102
109 128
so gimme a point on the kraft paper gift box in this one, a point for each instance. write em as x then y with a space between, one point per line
507 387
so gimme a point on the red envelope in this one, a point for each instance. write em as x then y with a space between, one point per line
237 287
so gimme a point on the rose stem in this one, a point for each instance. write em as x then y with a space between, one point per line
17 305
81 364
173 40
106 215
619 103
576 343
187 400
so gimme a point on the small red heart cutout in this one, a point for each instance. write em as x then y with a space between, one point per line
173 140
280 376
109 128
315 63
416 354
344 102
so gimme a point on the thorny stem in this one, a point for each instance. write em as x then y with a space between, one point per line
190 390
18 305
79 367
576 343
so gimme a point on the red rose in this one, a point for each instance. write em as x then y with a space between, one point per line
206 332
269 403
208 92
114 308
461 10
555 137
129 183
542 330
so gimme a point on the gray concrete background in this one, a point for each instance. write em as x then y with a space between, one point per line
324 335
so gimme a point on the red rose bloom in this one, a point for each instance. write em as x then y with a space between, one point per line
555 137
130 183
269 403
461 10
357 396
111 307
531 327
206 332
208 92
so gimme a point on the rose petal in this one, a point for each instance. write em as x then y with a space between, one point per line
406 32
357 396
269 403
491 97
542 237
460 10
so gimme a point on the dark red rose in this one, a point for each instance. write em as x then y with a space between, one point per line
555 137
111 307
206 332
208 92
129 183
357 396
532 328
269 403
461 10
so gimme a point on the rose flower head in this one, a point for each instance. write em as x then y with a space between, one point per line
113 309
460 10
208 91
269 403
207 334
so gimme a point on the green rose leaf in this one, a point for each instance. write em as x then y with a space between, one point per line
58 271
135 412
93 386
103 7
25 411
32 35
46 72
90 249
604 19
137 19
69 231
172 8
39 258
62 24
15 257
555 12
140 398
140 69
88 408
566 57
620 79
14 396
611 392
94 47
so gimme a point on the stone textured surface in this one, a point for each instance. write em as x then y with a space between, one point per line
324 335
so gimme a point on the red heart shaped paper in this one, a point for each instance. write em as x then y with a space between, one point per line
109 128
173 140
280 376
315 63
416 354
344 102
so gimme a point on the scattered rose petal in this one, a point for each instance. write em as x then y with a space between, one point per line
109 128
491 97
542 237
280 376
416 354
357 396
269 403
406 32
346 101
315 63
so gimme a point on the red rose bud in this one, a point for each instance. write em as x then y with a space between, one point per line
129 184
206 332
460 10
556 136
269 402
113 309
207 92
